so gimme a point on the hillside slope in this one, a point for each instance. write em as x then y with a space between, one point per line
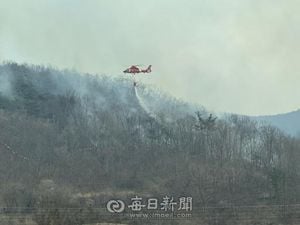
75 141
288 122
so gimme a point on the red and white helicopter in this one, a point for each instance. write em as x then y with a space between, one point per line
135 70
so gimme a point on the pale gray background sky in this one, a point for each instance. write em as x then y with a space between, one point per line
235 56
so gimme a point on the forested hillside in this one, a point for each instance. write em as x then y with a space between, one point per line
75 140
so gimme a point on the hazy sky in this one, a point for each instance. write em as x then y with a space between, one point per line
235 56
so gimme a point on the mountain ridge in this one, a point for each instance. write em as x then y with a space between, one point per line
287 122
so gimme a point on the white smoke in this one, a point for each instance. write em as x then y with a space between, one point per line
143 104
5 85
